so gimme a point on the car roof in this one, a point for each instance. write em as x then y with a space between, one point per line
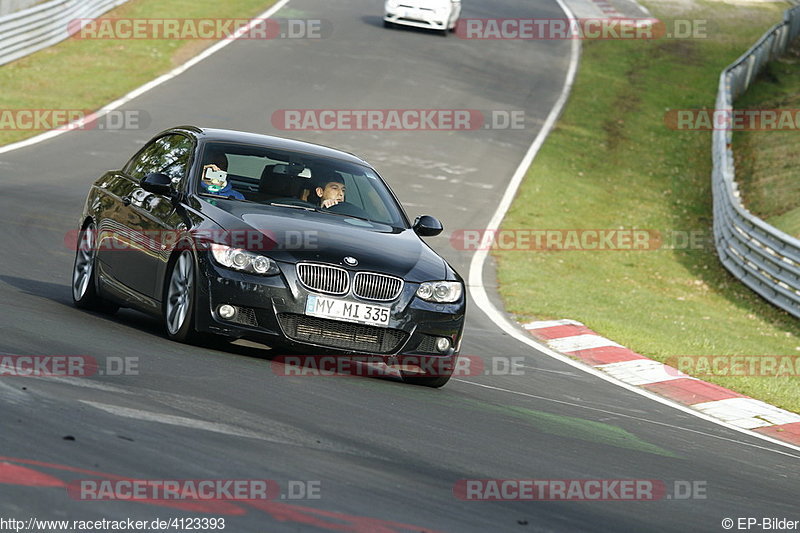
281 143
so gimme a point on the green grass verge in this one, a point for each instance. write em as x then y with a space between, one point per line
767 161
611 162
87 74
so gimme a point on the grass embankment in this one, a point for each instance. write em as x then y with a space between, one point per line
768 162
86 74
612 162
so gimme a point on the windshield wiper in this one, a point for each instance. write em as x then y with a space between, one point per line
329 212
319 210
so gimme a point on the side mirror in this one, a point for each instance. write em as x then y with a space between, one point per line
427 226
157 183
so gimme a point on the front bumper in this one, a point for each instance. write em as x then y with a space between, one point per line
418 18
271 310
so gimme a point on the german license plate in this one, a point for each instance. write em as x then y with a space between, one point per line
350 311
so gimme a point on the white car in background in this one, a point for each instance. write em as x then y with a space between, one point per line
439 15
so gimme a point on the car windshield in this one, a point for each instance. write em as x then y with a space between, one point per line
296 180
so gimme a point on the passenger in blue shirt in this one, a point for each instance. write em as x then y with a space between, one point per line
215 178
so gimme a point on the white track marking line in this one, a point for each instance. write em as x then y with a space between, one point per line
538 369
182 421
648 420
86 383
481 298
10 393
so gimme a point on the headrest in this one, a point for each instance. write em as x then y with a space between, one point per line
279 181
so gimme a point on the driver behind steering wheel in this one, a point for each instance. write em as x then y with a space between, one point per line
329 189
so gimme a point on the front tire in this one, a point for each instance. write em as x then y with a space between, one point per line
437 379
427 381
179 299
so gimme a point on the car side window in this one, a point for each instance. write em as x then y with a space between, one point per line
168 155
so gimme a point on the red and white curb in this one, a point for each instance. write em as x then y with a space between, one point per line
576 340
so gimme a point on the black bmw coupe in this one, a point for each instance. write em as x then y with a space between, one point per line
291 244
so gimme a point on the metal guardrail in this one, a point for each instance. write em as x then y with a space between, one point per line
10 6
762 257
43 25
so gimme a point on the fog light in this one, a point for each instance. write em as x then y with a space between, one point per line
226 311
442 344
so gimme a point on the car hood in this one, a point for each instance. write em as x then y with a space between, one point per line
293 235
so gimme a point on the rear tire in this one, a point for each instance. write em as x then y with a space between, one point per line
84 284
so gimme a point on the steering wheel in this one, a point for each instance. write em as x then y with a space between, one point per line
346 208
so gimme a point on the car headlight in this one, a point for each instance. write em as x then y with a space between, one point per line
243 260
440 291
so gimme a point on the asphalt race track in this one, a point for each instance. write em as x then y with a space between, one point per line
385 456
